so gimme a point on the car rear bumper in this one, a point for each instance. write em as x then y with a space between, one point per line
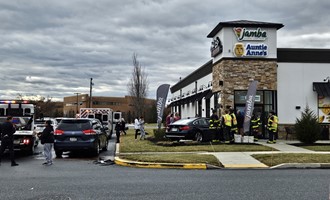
78 145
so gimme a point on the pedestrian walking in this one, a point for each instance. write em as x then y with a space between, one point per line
118 129
7 130
123 126
47 139
272 127
136 127
143 133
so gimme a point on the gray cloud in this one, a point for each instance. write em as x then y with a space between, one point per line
53 48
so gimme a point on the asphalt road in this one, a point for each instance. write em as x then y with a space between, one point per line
80 177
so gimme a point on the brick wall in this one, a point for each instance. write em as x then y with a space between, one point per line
237 74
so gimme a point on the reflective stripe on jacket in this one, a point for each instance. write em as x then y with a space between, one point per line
227 119
272 123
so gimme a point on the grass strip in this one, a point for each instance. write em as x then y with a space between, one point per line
129 144
315 147
174 158
280 158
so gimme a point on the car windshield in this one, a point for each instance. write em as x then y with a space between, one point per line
183 121
74 125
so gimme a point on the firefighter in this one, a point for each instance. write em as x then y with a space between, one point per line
214 126
272 127
255 124
234 128
226 123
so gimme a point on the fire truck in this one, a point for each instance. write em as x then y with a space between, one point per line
106 116
25 139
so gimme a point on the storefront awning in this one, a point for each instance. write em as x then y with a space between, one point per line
209 94
201 95
322 88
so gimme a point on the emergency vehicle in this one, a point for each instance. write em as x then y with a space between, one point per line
25 139
105 115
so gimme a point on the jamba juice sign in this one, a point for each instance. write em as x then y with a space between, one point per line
244 34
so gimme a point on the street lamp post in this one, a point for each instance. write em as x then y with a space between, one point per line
77 93
90 92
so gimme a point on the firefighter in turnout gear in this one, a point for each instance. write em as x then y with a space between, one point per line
214 126
226 123
234 129
272 127
255 124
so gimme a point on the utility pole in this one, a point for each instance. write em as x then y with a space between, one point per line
77 93
90 93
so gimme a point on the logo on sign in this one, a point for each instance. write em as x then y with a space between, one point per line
243 34
255 50
216 47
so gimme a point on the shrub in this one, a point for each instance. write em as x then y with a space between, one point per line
307 127
159 135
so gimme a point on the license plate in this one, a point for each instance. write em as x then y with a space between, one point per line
174 129
73 139
17 141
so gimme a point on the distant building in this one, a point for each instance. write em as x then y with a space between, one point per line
122 104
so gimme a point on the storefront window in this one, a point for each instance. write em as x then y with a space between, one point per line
240 97
324 109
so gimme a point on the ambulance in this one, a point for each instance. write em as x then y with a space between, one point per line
106 116
25 138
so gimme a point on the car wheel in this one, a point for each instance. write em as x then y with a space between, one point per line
58 153
97 149
105 148
199 137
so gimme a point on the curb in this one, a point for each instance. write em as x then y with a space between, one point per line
302 166
129 163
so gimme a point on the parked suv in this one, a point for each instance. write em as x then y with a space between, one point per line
80 134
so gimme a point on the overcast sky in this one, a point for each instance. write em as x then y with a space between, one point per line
53 48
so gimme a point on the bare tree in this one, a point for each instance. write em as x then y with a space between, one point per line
138 86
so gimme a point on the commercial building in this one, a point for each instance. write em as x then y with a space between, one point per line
72 105
243 51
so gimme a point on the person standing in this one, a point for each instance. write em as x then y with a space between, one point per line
234 128
47 139
143 133
136 127
118 129
214 126
255 124
240 122
226 122
167 121
272 127
177 117
123 126
7 131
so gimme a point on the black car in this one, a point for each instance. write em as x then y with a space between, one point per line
80 134
190 129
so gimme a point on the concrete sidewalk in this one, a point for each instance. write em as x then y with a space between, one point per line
239 160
